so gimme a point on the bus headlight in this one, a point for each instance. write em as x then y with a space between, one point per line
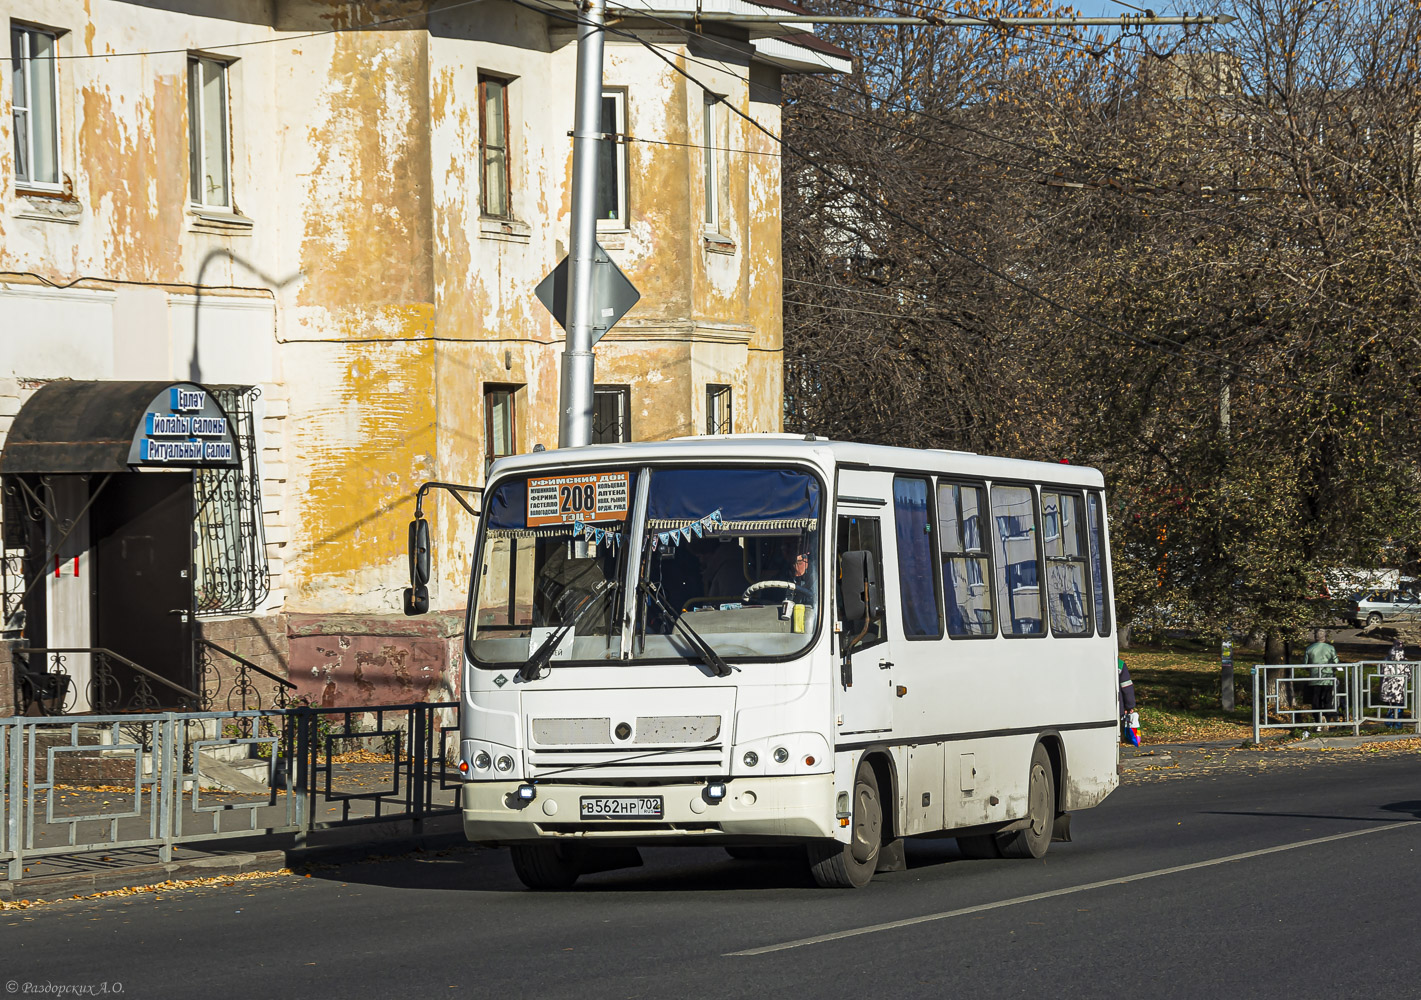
481 760
751 758
781 755
504 763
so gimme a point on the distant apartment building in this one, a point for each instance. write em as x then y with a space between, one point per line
266 269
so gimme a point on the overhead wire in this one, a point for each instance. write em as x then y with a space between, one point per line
1154 205
1159 343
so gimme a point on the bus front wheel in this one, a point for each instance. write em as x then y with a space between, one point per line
545 866
850 866
1033 841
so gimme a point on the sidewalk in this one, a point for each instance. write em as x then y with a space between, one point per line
1159 761
63 876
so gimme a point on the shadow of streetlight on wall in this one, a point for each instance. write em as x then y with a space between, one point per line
275 284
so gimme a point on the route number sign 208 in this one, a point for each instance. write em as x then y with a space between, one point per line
577 499
587 497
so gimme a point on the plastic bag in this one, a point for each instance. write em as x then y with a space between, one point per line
1130 728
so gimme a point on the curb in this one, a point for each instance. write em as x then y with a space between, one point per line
56 887
52 887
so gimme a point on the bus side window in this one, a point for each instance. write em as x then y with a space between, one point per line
1095 508
917 576
1018 562
1063 539
966 568
861 535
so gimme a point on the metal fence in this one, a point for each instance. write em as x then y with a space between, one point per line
1346 696
105 783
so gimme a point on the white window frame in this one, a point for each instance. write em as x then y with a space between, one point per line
710 162
23 35
619 161
198 158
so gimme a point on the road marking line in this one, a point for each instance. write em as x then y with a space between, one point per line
1123 880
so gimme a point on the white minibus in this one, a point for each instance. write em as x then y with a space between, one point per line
773 642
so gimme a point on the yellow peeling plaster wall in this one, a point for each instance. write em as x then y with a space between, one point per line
359 359
698 321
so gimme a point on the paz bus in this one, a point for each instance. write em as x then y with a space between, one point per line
786 646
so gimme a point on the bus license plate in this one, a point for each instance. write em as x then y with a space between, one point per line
621 807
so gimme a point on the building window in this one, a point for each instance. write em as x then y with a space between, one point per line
718 410
612 162
611 414
711 158
36 114
208 145
500 423
493 147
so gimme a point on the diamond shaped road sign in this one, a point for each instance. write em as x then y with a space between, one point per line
612 293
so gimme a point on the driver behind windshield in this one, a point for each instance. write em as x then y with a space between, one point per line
794 564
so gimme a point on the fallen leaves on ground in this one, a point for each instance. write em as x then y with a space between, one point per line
136 890
1188 762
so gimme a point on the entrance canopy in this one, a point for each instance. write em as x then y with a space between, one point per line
87 427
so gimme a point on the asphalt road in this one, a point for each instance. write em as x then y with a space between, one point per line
1299 883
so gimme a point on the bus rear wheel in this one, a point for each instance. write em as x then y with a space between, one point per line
545 866
1033 841
850 866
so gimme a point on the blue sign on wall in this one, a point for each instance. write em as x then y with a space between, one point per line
184 427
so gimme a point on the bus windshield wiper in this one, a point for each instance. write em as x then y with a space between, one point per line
708 654
533 669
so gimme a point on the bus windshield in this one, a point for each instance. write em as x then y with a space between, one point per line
732 556
553 547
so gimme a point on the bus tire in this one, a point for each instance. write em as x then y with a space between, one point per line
980 847
850 866
545 867
1033 841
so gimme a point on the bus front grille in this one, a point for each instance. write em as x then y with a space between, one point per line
676 728
628 762
650 729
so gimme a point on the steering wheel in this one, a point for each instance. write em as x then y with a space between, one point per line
788 586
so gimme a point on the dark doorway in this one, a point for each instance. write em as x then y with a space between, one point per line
142 601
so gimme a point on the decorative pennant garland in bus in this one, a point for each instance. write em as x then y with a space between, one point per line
710 522
598 536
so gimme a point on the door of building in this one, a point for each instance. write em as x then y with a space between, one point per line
143 600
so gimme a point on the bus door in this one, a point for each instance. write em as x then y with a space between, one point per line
865 678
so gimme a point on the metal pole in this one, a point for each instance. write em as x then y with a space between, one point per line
578 362
1255 704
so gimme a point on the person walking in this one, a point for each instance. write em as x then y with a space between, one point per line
1321 656
1129 718
1393 686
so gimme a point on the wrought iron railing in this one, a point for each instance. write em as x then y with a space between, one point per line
46 683
238 690
231 573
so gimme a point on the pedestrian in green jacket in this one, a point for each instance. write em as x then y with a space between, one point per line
1321 655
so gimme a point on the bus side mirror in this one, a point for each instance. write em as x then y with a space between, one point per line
417 593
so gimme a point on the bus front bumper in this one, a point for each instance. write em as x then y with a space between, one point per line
785 806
